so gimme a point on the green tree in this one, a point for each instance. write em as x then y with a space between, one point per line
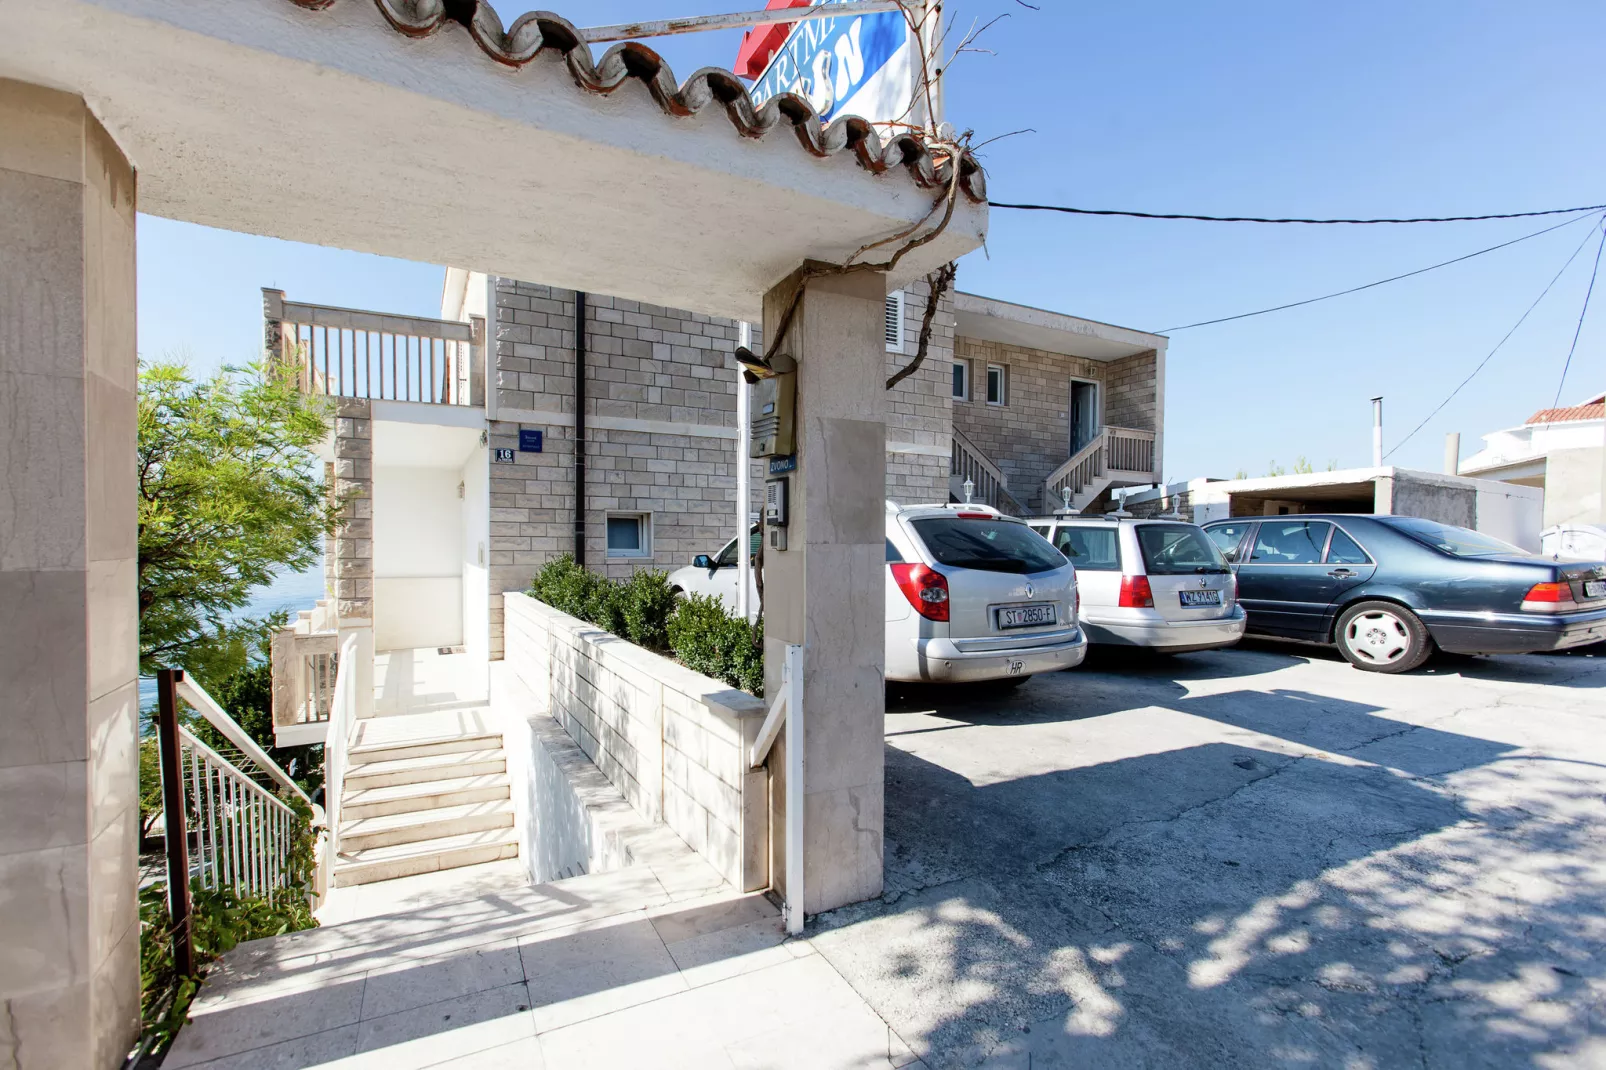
229 496
1302 466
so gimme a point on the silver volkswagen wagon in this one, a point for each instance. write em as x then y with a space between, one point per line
1160 584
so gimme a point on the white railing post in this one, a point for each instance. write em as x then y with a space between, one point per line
796 771
341 716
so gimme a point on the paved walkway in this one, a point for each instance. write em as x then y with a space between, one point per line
477 968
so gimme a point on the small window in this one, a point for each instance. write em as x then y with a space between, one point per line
895 321
1177 550
727 556
1090 549
997 385
961 380
1290 542
987 545
893 556
1227 537
629 535
1344 551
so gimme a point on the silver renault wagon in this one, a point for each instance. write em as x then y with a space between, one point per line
1160 584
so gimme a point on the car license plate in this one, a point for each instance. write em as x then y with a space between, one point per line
1200 598
1595 588
1026 616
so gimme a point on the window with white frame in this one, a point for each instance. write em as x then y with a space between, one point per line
997 384
894 322
629 534
961 380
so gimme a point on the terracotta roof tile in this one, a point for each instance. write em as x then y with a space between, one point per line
1593 411
538 32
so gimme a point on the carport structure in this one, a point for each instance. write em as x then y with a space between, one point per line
418 129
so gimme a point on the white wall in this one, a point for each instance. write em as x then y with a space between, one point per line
476 549
1511 512
418 554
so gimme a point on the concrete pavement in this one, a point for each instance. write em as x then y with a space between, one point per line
1257 857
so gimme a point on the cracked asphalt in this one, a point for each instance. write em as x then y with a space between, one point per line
1244 858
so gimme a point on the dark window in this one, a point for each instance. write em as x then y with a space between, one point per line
1290 542
1090 549
627 536
987 545
1177 549
1458 542
996 385
893 556
1343 550
961 381
1227 536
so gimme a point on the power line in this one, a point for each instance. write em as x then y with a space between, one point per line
1581 314
1264 219
1498 345
1370 285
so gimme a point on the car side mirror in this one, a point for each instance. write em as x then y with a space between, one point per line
702 561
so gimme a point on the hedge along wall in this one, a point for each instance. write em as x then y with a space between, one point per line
674 742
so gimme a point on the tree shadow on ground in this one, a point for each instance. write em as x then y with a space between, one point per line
1440 903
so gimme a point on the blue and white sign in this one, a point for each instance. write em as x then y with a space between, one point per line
860 65
529 441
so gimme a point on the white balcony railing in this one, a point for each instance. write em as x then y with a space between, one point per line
1120 452
305 660
343 352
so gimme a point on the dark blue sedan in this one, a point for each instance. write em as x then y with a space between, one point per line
1388 590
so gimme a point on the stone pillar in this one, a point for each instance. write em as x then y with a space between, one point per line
827 589
69 770
353 540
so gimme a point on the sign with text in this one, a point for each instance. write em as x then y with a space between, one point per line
860 65
502 455
529 441
782 465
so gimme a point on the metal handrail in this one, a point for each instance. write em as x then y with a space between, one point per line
243 833
207 707
787 709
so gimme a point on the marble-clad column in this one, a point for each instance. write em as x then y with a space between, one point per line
827 590
69 800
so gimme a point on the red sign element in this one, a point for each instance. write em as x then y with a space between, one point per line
762 42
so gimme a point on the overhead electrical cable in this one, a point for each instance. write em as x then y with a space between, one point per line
1581 314
1498 345
1370 285
1265 219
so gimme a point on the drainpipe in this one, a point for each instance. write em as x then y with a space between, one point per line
580 428
1377 432
744 480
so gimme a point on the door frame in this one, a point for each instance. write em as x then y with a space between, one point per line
1070 411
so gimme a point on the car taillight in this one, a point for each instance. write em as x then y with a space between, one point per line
1136 593
925 588
1548 597
1076 601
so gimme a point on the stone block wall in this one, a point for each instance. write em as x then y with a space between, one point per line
1130 396
674 743
920 411
353 538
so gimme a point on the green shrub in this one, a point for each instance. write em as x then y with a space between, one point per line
709 640
643 609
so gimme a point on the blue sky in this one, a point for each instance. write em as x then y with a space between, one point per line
1430 108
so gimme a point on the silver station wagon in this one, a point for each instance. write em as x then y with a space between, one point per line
1160 584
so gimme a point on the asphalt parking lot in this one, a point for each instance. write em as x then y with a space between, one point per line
1252 857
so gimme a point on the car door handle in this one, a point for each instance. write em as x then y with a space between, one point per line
1341 574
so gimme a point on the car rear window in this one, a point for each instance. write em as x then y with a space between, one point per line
1176 549
1457 542
1092 549
991 545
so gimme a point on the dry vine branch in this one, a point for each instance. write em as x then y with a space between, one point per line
937 283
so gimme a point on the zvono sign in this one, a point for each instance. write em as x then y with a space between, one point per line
860 65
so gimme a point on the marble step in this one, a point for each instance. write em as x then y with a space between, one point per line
424 747
424 856
447 766
422 795
389 830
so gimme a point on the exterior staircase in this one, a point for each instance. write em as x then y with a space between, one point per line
1117 457
418 804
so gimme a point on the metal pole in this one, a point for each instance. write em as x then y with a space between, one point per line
792 680
744 480
1377 432
175 836
580 428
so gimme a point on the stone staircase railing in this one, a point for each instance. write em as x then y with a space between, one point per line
989 484
1114 453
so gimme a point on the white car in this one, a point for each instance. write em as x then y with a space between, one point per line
971 595
1160 584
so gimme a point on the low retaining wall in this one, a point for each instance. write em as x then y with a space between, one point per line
673 742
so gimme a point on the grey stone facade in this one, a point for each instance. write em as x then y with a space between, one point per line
920 412
351 564
1028 436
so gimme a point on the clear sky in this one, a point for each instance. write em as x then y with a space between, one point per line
1438 107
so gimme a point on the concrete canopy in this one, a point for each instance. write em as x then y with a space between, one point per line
333 128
